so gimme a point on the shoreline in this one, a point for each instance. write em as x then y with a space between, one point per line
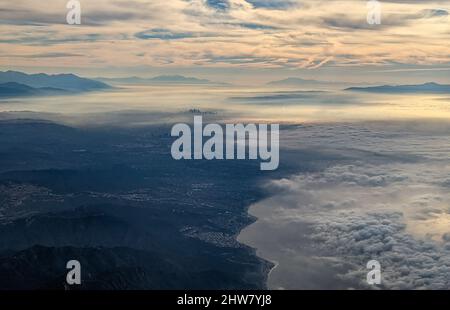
266 262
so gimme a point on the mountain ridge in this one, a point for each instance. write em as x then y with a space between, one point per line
430 87
296 81
161 79
13 89
66 81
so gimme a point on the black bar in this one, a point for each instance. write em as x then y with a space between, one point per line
290 299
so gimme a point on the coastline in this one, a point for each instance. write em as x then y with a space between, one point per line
242 238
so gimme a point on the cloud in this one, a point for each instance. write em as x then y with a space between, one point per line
273 4
45 55
163 34
257 26
430 13
220 5
407 263
287 34
384 198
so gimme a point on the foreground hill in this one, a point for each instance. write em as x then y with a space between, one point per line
115 200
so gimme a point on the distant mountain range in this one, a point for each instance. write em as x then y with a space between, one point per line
162 79
401 89
12 89
14 84
297 82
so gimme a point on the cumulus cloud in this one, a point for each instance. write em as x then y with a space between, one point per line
407 262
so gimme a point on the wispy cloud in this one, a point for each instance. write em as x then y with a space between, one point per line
278 34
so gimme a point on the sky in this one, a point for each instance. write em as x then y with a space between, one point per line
230 40
368 191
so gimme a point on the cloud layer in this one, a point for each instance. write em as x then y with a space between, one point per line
382 196
225 33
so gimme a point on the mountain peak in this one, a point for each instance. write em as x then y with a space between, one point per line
429 87
67 81
178 78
